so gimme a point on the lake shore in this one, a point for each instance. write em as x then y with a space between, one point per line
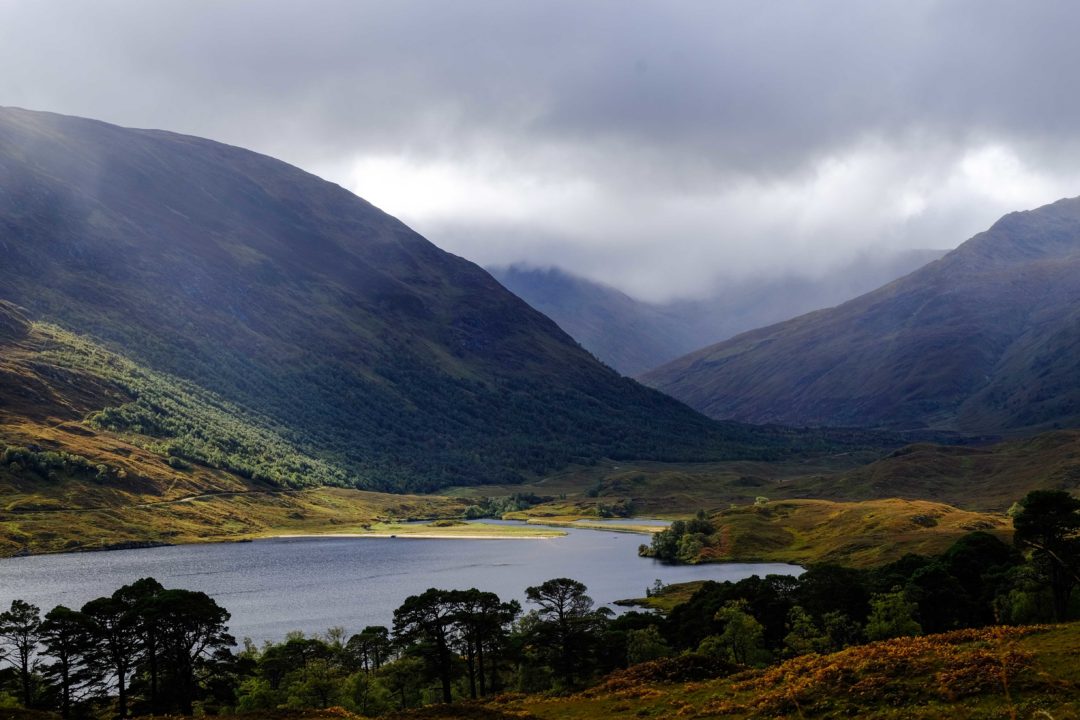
456 531
586 523
420 536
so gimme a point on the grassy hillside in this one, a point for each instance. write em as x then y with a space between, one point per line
856 534
184 467
988 477
668 490
984 340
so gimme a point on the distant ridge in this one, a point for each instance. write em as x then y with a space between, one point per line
633 336
986 339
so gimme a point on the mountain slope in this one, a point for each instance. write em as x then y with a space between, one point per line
629 335
306 313
634 336
986 339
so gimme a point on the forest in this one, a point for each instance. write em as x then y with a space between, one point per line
148 650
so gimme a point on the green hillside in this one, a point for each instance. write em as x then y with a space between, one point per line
272 323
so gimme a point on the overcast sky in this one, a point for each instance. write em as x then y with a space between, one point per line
657 146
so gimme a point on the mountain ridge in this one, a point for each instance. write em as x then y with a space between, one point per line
978 341
634 336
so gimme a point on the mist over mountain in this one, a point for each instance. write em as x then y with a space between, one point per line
634 336
987 339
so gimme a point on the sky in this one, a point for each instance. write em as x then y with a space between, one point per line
661 147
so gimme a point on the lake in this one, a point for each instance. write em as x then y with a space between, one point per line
310 584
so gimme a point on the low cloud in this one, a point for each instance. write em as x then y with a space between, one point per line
659 147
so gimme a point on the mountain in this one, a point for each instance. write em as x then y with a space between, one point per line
985 340
629 335
634 336
225 309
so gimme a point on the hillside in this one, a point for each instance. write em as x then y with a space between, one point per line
869 533
629 335
987 478
634 336
197 469
302 319
984 340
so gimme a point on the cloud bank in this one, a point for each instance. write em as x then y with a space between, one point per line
659 147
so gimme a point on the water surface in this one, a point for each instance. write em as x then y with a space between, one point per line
310 584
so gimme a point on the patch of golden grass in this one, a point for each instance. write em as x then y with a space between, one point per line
860 534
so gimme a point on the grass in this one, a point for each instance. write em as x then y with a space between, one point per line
665 490
858 534
626 525
669 597
989 477
224 517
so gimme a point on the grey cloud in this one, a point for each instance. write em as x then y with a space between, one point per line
649 102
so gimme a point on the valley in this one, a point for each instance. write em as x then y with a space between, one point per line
246 381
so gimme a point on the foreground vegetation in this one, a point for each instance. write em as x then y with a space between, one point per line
922 633
1019 672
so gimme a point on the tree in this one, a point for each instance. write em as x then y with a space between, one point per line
366 694
426 622
942 602
804 636
138 596
644 645
891 615
566 626
743 636
830 588
482 622
369 649
1048 525
840 630
401 677
19 626
114 628
191 628
65 637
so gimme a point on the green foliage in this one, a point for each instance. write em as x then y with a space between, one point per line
566 628
681 542
496 507
804 636
185 423
891 615
645 644
743 638
1048 525
52 465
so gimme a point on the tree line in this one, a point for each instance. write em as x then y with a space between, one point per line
142 648
150 650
